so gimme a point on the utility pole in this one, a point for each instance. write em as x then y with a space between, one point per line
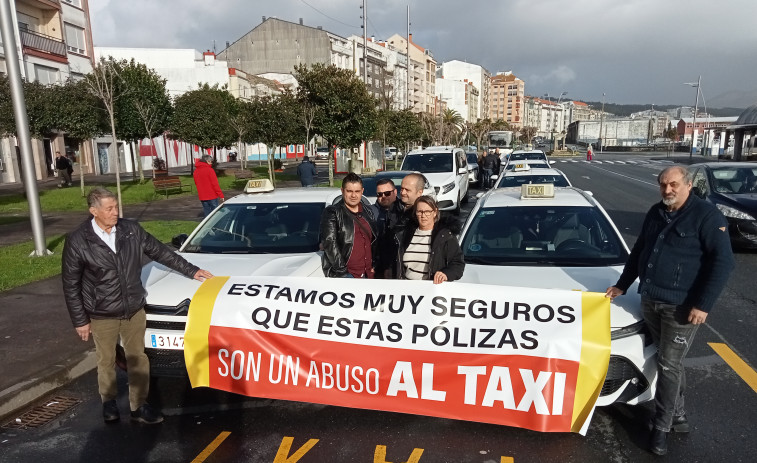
601 123
22 128
694 122
365 44
409 104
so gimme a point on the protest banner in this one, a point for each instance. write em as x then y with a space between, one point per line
525 357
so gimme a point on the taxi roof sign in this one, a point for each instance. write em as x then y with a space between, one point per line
522 167
537 191
261 185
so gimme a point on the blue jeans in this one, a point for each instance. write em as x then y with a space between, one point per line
208 205
673 335
486 180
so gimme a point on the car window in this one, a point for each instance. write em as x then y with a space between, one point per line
472 158
734 180
700 182
260 228
429 163
542 236
509 181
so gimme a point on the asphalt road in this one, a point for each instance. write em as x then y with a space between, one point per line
720 404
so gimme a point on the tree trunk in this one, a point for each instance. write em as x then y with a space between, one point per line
118 163
271 175
133 163
81 168
331 163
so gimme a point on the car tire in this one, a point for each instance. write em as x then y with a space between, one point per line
457 208
465 199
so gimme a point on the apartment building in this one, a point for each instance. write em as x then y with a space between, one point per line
506 99
422 92
54 40
477 75
459 95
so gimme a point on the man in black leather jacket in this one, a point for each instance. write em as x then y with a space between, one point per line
101 268
348 234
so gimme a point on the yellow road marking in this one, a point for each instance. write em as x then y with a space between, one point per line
211 447
507 460
734 361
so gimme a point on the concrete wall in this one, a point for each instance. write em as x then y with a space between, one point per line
616 132
277 46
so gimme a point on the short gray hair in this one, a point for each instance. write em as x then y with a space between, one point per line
688 177
207 158
96 195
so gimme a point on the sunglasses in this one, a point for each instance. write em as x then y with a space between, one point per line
384 193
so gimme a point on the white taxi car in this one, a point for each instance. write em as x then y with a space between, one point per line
563 239
446 169
261 232
525 175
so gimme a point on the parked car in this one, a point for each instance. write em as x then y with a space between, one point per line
391 153
567 241
732 188
473 170
322 152
369 182
446 169
518 177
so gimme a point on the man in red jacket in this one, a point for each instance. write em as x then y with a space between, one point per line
207 184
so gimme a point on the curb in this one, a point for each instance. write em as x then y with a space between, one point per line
20 396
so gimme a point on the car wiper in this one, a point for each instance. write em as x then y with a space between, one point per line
481 260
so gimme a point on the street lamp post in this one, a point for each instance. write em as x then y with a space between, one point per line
694 122
554 129
600 140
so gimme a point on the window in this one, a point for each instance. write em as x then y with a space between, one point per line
75 40
46 75
76 3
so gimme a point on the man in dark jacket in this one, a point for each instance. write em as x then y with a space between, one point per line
389 211
682 258
64 168
102 263
348 234
491 167
306 172
208 190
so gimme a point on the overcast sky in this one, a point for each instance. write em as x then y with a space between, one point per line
635 51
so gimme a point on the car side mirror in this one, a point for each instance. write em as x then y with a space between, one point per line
494 177
462 170
178 240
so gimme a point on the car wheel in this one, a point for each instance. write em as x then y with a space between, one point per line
465 198
457 207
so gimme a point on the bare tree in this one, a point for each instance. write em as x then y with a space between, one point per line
103 83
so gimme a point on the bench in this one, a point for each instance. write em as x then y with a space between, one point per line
169 184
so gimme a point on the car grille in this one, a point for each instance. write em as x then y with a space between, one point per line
164 362
164 325
619 371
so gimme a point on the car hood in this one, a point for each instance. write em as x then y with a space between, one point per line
440 179
625 310
745 202
166 287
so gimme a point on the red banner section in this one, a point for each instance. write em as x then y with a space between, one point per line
531 392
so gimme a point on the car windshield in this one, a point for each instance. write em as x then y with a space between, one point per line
517 180
369 185
429 163
532 165
260 229
542 236
735 180
526 156
472 158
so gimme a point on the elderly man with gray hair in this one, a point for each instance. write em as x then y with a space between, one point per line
682 258
101 270
208 190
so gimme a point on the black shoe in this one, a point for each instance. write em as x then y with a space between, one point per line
110 412
680 424
147 415
658 442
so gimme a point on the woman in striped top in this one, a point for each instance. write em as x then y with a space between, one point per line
429 250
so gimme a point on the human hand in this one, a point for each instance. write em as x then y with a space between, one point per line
696 316
439 277
613 292
202 275
83 332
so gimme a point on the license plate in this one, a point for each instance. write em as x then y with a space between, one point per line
164 340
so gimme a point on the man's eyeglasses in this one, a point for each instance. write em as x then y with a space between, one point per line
383 193
424 213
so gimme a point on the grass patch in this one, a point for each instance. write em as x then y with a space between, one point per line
20 269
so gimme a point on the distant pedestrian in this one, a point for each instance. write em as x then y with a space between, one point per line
491 167
682 258
589 153
64 168
101 269
306 171
208 190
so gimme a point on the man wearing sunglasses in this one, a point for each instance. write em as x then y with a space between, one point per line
389 212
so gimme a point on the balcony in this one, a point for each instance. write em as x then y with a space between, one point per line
43 43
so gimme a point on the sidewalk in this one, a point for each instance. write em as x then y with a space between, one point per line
39 349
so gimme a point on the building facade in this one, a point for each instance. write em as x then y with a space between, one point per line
54 41
459 95
473 73
506 99
422 91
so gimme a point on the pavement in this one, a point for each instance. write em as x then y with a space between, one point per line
39 349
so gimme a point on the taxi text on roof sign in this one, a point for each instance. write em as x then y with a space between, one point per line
259 186
537 191
522 167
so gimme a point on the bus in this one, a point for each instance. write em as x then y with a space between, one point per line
502 139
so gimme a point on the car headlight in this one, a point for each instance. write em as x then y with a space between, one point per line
627 331
734 213
448 187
